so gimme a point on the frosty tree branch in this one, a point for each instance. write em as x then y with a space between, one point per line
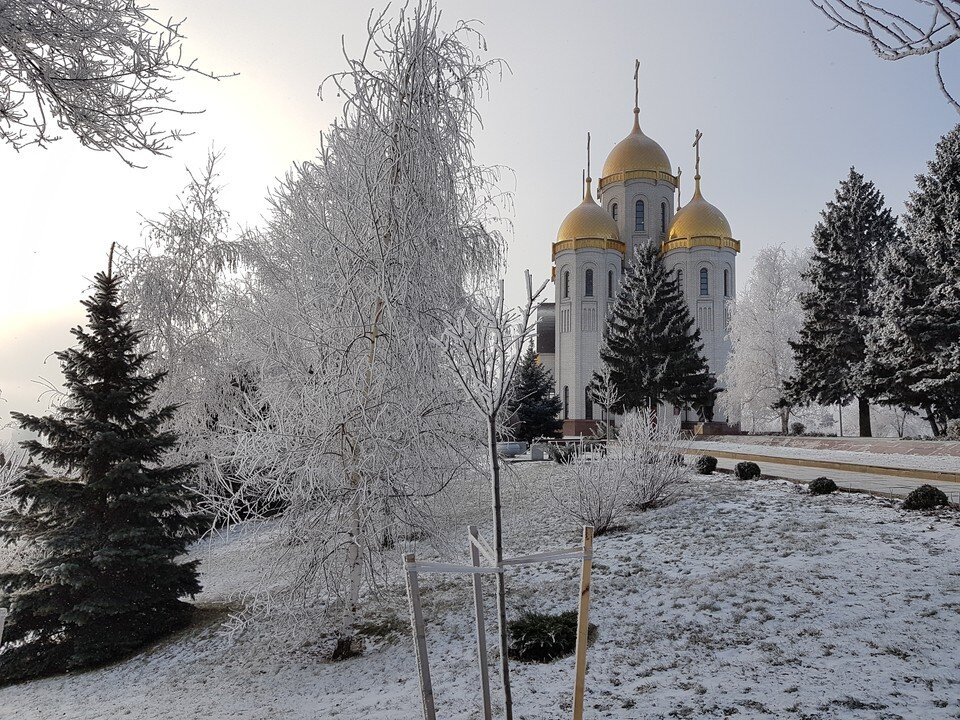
99 69
931 27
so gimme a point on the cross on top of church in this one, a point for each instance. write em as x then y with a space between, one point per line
696 144
636 86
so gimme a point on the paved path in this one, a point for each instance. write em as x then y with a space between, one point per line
871 482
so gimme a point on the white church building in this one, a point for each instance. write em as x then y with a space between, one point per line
635 204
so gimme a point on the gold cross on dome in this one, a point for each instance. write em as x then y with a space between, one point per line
696 144
636 84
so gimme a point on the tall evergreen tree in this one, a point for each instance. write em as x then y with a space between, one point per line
533 409
854 231
914 348
649 345
101 537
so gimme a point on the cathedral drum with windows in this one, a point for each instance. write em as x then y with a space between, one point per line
593 246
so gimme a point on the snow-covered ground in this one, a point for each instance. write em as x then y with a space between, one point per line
751 600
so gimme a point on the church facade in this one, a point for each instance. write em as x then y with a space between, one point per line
635 204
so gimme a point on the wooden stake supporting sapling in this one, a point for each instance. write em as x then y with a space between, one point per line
583 624
420 637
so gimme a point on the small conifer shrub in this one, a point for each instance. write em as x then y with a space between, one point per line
705 464
822 486
543 637
746 470
925 497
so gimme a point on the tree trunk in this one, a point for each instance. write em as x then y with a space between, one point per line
501 577
785 421
864 406
653 414
932 420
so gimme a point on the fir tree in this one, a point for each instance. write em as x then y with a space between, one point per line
100 538
914 348
854 231
533 409
649 345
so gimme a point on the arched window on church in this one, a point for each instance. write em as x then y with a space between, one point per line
640 216
613 210
566 284
609 283
588 284
726 283
566 402
680 279
663 217
704 281
587 403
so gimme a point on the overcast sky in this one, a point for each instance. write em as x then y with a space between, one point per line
786 107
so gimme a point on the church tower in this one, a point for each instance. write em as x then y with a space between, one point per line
588 259
701 252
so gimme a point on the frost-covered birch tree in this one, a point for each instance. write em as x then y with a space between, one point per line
766 318
365 246
181 292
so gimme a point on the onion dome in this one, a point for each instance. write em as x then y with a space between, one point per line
700 219
588 221
636 152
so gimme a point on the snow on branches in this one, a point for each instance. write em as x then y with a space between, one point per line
99 69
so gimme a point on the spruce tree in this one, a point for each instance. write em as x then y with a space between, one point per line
649 344
914 348
533 409
100 518
854 231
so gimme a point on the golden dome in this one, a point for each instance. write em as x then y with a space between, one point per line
636 152
588 221
697 219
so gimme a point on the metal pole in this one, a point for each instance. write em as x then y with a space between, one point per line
481 627
419 637
583 624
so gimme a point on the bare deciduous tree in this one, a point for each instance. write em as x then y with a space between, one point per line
924 27
483 347
99 69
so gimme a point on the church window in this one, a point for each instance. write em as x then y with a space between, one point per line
609 283
640 216
726 283
663 217
566 402
613 210
704 281
587 404
588 284
680 278
566 284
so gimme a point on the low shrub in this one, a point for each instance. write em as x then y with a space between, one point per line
925 497
797 428
563 454
705 464
746 470
542 637
822 486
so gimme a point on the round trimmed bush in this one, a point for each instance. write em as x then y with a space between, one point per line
705 464
797 428
822 486
925 497
746 470
542 637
